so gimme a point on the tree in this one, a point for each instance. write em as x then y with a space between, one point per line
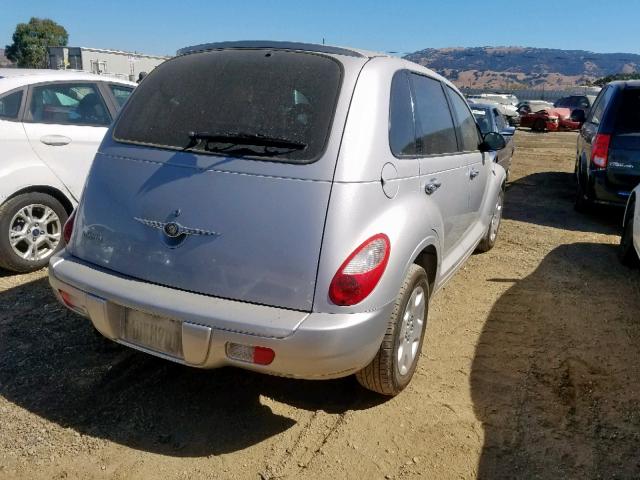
601 82
30 42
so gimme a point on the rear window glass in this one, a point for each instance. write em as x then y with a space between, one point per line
284 99
629 112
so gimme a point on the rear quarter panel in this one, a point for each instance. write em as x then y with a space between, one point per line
359 208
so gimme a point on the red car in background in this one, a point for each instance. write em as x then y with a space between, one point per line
551 119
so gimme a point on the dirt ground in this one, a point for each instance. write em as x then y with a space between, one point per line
530 369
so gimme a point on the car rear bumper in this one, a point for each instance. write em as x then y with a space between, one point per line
605 193
306 345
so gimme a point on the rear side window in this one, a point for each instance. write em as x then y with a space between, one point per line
483 117
402 133
120 93
68 104
501 123
434 125
268 94
468 131
10 105
595 114
628 118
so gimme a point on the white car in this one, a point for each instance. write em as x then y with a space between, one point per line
504 102
51 124
630 240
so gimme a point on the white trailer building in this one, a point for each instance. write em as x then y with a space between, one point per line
126 65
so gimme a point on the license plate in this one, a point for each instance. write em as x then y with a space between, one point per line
154 332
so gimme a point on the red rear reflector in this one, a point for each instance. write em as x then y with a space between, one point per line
250 354
67 299
263 355
67 230
600 150
361 271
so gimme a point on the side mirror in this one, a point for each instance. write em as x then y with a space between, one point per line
508 131
578 116
492 142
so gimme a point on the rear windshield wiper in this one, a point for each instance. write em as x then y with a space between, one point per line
240 138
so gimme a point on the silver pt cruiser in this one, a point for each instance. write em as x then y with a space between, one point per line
282 207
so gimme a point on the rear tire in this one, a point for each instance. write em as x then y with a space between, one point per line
539 125
582 202
395 363
41 218
489 239
627 251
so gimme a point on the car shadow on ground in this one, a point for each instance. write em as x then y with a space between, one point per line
54 365
555 374
547 198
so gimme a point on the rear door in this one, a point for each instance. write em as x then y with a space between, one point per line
65 123
469 141
15 147
444 172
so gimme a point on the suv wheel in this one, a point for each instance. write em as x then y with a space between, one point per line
582 202
627 251
489 239
30 231
394 364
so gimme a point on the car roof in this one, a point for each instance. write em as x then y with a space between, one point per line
486 106
312 47
626 83
11 78
300 46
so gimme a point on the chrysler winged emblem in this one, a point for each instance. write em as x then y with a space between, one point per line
174 229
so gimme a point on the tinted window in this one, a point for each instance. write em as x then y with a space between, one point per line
10 105
628 118
468 131
402 134
120 93
483 117
277 94
595 115
67 103
501 123
434 125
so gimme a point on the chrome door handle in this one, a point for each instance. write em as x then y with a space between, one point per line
474 173
432 186
55 140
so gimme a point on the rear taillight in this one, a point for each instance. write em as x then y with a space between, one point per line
600 150
67 230
359 274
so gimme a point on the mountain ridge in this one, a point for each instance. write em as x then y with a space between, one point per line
523 67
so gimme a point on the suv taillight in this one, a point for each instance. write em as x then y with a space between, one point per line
67 230
359 274
600 150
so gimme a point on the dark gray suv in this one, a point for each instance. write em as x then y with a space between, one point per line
608 150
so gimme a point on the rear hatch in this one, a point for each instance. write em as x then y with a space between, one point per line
217 175
623 169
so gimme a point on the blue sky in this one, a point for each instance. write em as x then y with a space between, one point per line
162 26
